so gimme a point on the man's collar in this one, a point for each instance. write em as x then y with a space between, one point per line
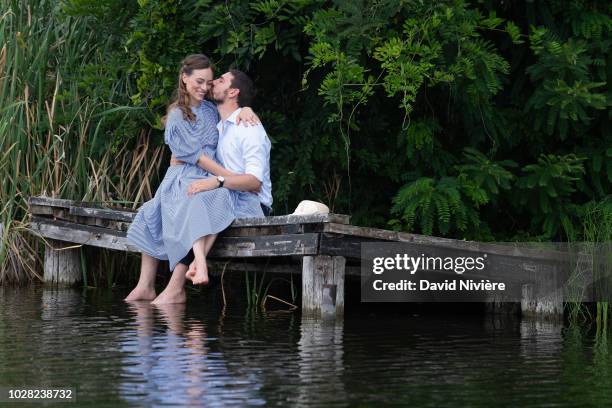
233 116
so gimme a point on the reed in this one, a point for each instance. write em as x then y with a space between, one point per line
258 288
56 135
596 253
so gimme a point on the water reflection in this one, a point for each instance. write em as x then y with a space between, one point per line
540 338
171 363
195 355
321 362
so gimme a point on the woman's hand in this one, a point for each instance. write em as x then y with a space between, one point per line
206 184
248 117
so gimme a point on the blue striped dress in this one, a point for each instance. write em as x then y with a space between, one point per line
166 226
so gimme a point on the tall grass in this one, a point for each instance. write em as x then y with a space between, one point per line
56 135
258 288
594 253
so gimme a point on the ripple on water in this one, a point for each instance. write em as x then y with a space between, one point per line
121 355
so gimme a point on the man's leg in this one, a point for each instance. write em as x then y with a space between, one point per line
175 291
145 289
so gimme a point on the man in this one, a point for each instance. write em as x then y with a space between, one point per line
242 150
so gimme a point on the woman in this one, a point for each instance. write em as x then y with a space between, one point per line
172 223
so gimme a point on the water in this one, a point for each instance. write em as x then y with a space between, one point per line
116 354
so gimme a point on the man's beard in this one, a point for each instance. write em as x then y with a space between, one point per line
220 99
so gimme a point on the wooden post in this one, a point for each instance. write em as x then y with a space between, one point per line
498 305
544 297
62 266
323 285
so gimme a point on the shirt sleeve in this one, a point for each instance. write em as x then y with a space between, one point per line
255 151
182 138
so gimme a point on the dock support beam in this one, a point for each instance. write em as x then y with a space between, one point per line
62 263
543 298
323 286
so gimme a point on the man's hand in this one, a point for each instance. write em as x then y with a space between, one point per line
175 162
206 184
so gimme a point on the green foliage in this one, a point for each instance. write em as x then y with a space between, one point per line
565 91
546 191
435 204
467 119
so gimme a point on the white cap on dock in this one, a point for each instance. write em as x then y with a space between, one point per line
307 207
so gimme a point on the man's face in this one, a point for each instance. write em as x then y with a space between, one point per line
221 88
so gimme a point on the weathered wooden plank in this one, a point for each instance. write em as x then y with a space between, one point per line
120 221
41 210
342 245
267 230
271 245
289 268
51 202
64 214
94 210
292 219
506 249
82 234
103 213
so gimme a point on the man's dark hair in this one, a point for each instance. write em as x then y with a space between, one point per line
243 83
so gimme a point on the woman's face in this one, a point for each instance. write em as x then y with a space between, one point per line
198 84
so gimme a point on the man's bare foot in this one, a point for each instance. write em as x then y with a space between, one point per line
168 296
141 293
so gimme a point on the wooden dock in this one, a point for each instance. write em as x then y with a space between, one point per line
320 244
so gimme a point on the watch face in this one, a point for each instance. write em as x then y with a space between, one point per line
221 179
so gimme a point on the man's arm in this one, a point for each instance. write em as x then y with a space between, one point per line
213 167
207 164
241 182
255 152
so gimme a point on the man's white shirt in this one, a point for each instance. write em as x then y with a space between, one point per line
246 150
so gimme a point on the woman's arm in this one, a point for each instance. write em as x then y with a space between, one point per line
248 117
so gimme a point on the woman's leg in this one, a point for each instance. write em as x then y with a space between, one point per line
145 289
175 291
198 270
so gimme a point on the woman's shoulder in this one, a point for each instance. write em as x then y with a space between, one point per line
174 112
174 117
208 106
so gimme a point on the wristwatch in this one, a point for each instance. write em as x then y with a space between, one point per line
221 180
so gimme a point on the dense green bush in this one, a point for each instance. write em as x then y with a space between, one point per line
480 119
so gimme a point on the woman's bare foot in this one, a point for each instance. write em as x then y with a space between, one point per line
191 271
170 296
141 293
200 277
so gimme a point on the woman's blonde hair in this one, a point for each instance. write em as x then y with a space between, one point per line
180 98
